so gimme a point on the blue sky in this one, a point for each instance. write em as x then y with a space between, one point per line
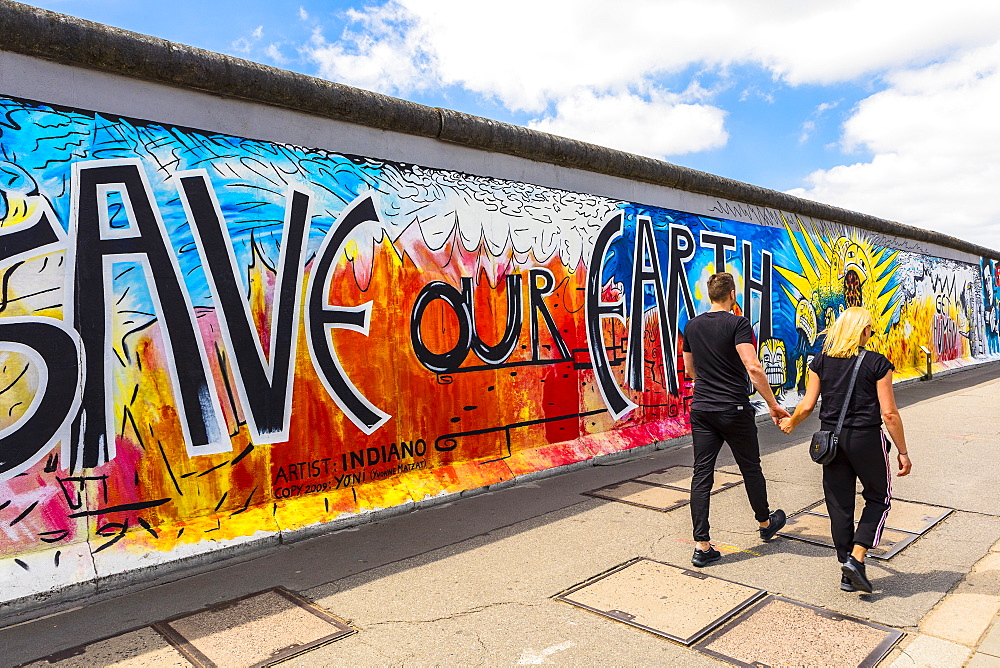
882 106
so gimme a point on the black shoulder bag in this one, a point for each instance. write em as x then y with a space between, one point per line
823 447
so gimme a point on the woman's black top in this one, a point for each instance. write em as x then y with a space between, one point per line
835 375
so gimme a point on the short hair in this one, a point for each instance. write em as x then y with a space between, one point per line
843 339
720 285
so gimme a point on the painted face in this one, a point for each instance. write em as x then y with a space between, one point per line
805 320
854 273
772 358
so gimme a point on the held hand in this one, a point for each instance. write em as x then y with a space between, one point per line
785 425
777 413
904 464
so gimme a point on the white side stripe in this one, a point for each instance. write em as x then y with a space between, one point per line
888 492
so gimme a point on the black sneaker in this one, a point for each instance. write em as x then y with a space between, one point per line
846 585
777 523
705 557
854 571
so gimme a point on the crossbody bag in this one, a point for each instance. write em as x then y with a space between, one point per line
823 447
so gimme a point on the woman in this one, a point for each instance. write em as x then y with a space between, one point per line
862 450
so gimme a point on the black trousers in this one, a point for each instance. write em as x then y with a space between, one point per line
862 454
710 429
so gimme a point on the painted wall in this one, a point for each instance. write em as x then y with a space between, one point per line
208 339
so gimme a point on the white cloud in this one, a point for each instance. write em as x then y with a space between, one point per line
383 54
303 14
244 45
273 51
662 126
934 136
807 129
809 125
531 52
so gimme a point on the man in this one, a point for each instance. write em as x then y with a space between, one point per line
719 354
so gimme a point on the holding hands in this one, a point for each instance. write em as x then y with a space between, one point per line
779 414
786 425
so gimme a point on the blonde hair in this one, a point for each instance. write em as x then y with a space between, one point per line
843 338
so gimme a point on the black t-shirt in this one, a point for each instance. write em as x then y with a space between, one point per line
835 375
722 381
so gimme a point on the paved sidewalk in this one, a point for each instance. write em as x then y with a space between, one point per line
962 629
471 582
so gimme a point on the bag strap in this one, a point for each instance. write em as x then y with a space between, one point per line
850 391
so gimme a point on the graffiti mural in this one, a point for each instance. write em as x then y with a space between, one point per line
991 307
207 338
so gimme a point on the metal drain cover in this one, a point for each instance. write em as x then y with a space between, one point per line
644 495
906 522
681 477
906 516
815 529
669 601
780 632
255 630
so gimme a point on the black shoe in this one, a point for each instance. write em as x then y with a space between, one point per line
777 523
705 557
854 571
846 585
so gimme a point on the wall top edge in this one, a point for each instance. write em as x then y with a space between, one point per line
76 42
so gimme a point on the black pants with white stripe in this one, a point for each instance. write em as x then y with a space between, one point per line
862 454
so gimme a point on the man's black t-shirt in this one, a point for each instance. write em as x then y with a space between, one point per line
722 381
835 375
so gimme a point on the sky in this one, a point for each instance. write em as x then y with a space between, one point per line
887 107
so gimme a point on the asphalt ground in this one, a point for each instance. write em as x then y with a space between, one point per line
471 582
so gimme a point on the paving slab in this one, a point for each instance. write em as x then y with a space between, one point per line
982 660
929 652
674 602
962 617
780 632
990 644
142 648
989 563
258 629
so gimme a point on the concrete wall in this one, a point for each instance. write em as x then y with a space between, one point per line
241 306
